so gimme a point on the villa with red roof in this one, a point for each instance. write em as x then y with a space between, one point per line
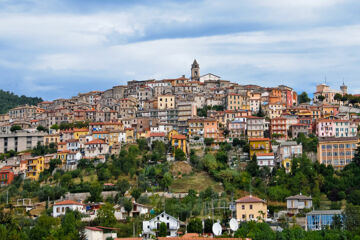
251 208
60 208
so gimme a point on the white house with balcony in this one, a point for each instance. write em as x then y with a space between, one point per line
60 208
298 202
152 226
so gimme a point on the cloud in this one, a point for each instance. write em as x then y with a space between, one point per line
55 43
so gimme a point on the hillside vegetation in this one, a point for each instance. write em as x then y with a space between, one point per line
10 100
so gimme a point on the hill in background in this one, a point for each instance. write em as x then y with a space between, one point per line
10 100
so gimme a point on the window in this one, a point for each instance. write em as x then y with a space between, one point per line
251 206
242 207
243 216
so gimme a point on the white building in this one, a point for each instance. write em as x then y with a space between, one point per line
137 210
265 160
150 227
96 147
298 202
99 233
209 77
60 208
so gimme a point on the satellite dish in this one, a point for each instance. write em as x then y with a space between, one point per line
216 228
234 225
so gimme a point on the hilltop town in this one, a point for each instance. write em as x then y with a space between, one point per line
186 152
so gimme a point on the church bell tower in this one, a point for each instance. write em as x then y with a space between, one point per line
195 71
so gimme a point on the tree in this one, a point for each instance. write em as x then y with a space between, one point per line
142 143
222 157
208 225
167 180
260 113
105 216
194 226
354 197
55 127
338 97
226 132
122 186
179 155
95 192
356 158
321 98
162 230
136 193
43 227
41 128
15 128
352 218
303 98
208 141
127 205
252 166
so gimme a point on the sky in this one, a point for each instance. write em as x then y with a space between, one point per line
56 49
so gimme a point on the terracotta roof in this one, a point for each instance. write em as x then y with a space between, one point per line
68 202
264 154
179 136
250 199
96 132
157 134
96 141
94 229
259 139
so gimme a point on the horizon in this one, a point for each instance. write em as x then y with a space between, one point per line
56 49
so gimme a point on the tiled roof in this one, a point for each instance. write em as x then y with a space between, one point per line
157 134
96 141
250 199
68 202
179 137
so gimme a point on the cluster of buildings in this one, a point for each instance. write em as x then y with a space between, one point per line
167 110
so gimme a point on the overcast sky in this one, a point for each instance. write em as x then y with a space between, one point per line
54 49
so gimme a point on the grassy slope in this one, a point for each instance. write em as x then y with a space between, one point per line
198 181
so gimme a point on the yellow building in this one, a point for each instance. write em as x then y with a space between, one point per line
250 208
179 141
166 102
35 166
113 137
62 155
259 145
51 138
236 101
286 163
129 135
172 133
337 152
80 132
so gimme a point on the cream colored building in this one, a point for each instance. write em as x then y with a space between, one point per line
166 102
250 208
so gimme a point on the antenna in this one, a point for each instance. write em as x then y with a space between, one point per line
234 225
216 229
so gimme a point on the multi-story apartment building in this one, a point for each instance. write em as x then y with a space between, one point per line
211 128
165 102
237 128
25 112
35 166
20 140
235 101
337 152
278 128
255 127
336 128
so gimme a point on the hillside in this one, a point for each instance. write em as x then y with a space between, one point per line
10 100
